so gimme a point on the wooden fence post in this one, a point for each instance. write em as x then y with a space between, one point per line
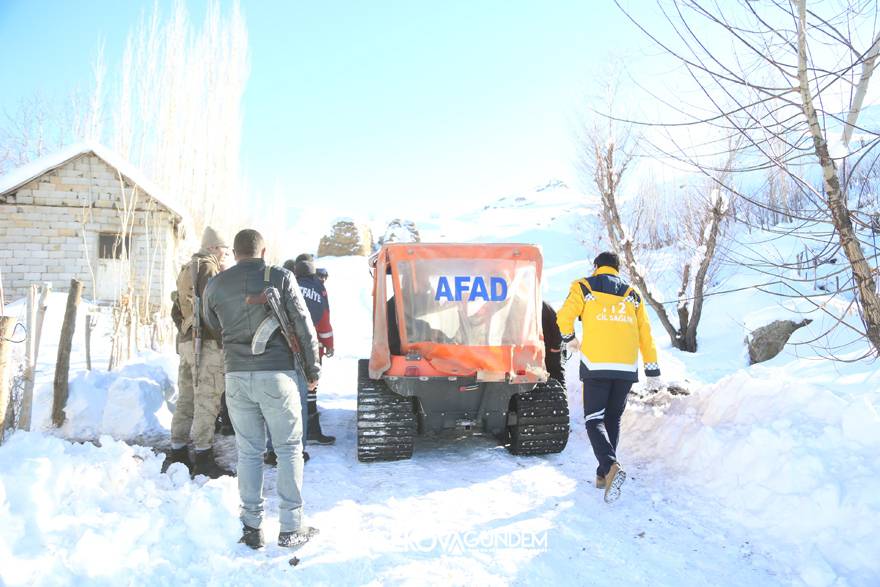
116 338
131 320
91 322
30 345
7 325
62 367
35 332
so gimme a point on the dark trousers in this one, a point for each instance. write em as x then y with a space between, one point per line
604 402
223 417
312 403
553 364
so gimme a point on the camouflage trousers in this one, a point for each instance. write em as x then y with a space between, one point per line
198 406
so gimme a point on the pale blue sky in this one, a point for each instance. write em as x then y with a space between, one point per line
368 103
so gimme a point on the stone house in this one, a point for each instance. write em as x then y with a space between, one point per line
85 213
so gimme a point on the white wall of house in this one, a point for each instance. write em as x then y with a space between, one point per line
50 230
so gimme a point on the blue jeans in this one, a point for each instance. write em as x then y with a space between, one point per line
303 400
259 400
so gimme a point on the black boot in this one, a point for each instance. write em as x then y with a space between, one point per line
271 459
177 455
206 465
315 433
253 537
223 424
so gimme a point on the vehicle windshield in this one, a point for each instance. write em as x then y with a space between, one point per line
471 302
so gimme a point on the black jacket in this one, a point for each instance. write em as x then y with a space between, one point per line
226 312
552 336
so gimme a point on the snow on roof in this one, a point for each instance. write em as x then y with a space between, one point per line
31 171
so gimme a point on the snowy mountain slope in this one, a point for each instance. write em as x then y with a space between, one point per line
555 216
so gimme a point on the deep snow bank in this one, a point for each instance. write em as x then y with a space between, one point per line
106 514
134 402
130 403
790 459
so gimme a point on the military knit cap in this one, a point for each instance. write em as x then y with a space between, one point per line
211 238
304 265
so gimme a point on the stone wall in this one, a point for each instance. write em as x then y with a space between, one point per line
50 227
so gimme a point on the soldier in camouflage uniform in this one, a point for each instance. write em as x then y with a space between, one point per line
198 401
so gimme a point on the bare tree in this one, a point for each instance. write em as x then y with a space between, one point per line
176 108
863 274
38 126
606 155
790 80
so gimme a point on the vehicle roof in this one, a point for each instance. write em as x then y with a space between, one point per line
501 251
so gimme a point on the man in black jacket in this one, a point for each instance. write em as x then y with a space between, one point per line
552 344
263 390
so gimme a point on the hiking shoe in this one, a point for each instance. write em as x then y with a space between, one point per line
296 538
613 480
252 537
600 482
206 465
177 455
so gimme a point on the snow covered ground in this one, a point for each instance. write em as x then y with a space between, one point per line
77 514
762 476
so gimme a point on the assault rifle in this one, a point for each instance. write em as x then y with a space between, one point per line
276 319
197 322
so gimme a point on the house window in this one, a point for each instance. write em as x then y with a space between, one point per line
113 246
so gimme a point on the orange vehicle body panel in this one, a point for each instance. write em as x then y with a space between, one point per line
519 362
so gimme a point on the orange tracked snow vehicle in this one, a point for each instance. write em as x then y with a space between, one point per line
457 343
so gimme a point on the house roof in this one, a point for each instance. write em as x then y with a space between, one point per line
31 171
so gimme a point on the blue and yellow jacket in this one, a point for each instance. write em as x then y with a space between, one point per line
615 325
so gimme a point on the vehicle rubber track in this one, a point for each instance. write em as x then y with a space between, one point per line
538 422
386 422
